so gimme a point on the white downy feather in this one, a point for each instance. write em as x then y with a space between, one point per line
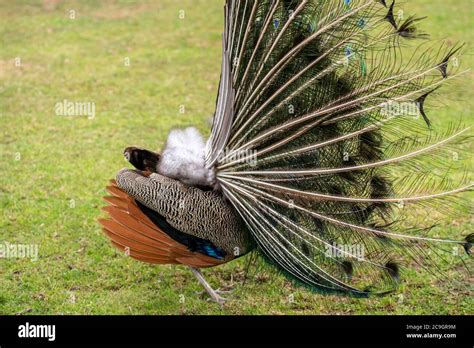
183 158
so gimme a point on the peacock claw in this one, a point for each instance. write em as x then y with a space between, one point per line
217 298
219 291
215 295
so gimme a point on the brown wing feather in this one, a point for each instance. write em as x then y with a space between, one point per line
144 257
116 202
133 232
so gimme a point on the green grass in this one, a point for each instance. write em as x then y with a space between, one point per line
67 160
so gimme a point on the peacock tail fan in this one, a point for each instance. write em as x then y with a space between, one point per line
322 143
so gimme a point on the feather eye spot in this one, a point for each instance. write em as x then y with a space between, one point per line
348 268
409 30
393 270
443 66
361 22
305 249
390 16
468 244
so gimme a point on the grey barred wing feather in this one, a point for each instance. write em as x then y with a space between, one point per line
326 150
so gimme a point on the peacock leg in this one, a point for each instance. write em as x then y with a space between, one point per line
213 293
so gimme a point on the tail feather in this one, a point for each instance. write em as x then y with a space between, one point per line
325 150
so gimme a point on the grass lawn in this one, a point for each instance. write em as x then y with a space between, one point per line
53 169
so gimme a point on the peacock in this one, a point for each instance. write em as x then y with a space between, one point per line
320 157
